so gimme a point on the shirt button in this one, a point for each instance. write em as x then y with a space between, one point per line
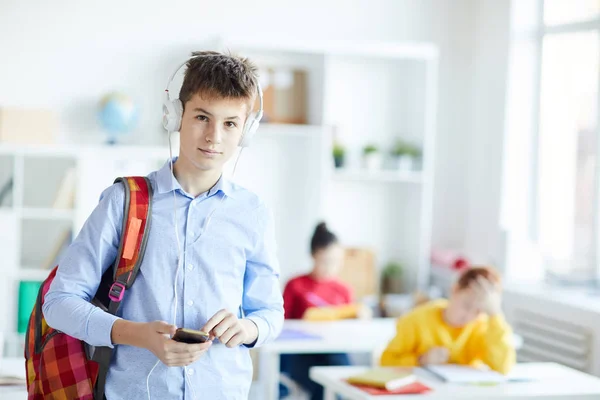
190 303
190 267
190 371
191 233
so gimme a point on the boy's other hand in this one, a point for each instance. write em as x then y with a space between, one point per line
437 355
230 330
157 337
364 312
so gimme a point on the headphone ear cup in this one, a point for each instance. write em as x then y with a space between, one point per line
172 112
250 128
178 107
168 112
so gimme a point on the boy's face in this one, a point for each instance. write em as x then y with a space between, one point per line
464 307
211 130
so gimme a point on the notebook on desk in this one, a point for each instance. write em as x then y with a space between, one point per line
384 378
411 388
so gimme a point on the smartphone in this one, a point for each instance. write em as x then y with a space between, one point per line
185 335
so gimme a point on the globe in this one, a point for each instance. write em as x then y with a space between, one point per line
118 115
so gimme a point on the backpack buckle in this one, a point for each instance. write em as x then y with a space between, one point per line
116 292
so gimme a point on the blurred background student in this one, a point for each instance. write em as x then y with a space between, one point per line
468 328
318 295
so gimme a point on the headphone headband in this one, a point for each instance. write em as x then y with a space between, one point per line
259 114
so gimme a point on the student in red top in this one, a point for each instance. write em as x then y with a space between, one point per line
318 290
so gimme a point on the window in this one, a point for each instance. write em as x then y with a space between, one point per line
550 211
559 12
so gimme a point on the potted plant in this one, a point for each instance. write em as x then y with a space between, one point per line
339 154
405 155
371 157
392 278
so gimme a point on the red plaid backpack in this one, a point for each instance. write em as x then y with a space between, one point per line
60 367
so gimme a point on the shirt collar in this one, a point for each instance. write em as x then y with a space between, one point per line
166 182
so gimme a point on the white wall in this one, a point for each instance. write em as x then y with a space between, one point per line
65 54
484 239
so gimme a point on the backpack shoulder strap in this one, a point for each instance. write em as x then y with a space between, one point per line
137 209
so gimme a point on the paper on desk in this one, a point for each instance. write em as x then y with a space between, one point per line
524 373
452 373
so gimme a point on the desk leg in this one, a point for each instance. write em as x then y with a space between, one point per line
329 394
269 374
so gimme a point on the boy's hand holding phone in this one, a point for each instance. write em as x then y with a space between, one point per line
437 355
172 353
230 330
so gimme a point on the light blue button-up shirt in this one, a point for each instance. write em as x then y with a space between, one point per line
232 265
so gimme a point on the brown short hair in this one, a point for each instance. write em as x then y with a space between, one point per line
471 274
218 75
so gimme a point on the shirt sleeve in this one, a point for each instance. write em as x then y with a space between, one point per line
402 349
67 306
492 344
349 294
262 300
289 301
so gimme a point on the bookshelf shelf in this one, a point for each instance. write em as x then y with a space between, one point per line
276 130
32 273
378 176
47 213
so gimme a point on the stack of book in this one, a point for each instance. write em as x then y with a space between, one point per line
392 380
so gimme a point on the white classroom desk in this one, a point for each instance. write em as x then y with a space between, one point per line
552 381
346 336
12 366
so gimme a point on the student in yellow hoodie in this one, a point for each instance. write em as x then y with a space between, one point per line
468 328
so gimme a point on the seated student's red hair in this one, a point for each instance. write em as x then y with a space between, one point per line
472 274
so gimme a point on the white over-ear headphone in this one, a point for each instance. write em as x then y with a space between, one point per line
173 111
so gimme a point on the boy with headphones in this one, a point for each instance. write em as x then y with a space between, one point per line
209 264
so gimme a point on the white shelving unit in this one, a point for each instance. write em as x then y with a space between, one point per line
368 93
33 228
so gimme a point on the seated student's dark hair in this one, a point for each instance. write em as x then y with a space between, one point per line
322 238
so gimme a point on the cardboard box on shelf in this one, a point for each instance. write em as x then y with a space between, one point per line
285 96
28 126
359 272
